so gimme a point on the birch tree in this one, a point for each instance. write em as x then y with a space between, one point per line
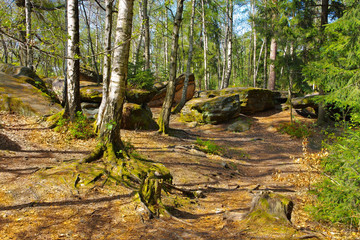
107 57
164 118
73 61
29 55
206 77
228 45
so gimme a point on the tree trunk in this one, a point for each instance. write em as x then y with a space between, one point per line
93 56
29 55
146 34
107 57
5 49
265 61
109 124
189 62
229 44
164 118
206 80
272 74
73 62
254 42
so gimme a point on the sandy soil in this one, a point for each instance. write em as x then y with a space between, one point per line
38 199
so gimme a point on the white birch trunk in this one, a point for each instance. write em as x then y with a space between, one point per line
206 80
109 126
107 57
29 55
146 34
73 62
229 45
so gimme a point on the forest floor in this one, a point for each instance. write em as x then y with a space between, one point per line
38 199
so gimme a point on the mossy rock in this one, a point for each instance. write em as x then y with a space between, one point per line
214 110
216 106
140 96
241 125
20 97
137 116
91 93
305 102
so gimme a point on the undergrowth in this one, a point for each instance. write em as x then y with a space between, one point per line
209 147
82 128
297 129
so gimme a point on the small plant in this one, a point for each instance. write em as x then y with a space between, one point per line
209 147
82 128
296 129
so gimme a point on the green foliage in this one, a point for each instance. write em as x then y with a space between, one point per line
82 128
140 79
337 70
339 192
209 147
296 129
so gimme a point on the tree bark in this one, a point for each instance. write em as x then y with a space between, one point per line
206 80
93 57
164 118
229 44
189 61
254 42
146 34
265 61
107 57
272 74
73 62
29 55
109 125
5 49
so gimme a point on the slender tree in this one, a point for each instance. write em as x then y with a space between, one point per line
146 34
107 57
206 77
164 118
189 60
73 61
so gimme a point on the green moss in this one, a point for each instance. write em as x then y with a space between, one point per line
15 105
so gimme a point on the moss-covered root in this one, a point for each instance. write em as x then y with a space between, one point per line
54 119
95 155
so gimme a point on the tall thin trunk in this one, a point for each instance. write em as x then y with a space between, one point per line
73 62
107 57
64 93
229 44
164 118
5 49
146 34
140 43
291 78
272 74
189 60
254 42
29 55
206 80
258 62
265 61
109 125
166 47
93 56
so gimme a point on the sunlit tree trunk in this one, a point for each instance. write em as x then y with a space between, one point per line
107 57
73 62
189 61
265 61
228 56
254 42
164 118
5 48
109 124
146 34
272 73
29 55
206 79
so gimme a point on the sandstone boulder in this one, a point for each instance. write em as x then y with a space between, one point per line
140 96
137 116
158 99
241 125
218 106
21 97
305 102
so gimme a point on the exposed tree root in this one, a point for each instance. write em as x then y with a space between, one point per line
128 169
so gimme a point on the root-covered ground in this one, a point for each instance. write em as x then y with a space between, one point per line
45 194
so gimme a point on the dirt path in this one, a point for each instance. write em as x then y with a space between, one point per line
38 205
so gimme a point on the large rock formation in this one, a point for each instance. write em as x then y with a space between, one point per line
21 97
137 116
158 99
218 106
